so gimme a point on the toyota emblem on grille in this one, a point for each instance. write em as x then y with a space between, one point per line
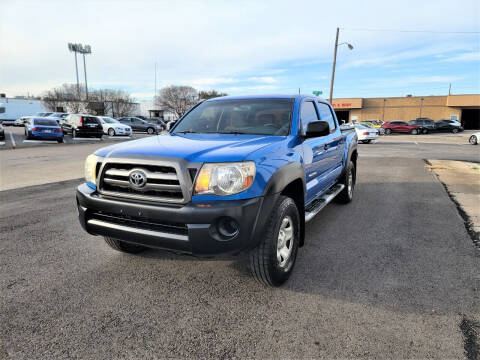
137 179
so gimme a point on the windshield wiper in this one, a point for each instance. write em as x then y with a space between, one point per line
235 132
186 132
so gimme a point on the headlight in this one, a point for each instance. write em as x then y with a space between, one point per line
225 178
90 168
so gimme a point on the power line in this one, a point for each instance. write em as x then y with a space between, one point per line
412 31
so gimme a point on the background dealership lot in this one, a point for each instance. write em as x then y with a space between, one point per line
395 272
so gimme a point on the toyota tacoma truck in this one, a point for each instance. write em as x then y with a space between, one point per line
235 175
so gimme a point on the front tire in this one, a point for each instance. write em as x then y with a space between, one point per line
111 132
150 131
414 132
473 140
454 131
272 261
425 131
349 179
123 246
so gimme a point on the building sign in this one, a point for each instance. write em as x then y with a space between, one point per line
354 103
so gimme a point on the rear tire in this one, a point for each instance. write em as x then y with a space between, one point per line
60 140
414 132
473 140
454 131
388 131
349 179
123 246
272 261
425 131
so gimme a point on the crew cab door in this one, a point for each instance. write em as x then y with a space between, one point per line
318 159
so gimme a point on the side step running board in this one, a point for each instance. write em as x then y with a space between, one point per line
317 205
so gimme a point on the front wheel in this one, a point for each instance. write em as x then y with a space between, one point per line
111 132
414 131
424 131
473 140
272 261
454 131
388 131
123 246
150 131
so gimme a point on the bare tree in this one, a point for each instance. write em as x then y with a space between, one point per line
177 99
205 94
100 102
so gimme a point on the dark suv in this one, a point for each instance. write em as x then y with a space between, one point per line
426 125
447 125
82 125
138 124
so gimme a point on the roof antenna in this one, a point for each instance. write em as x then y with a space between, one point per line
299 90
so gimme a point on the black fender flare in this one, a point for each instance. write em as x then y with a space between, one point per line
284 176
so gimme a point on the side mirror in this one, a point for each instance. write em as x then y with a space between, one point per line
317 129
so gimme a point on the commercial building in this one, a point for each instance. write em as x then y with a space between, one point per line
463 108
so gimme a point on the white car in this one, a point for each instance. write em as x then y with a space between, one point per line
114 127
366 134
474 138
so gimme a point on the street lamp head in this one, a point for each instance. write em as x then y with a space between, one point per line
350 46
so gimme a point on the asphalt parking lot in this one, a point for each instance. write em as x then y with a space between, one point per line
394 274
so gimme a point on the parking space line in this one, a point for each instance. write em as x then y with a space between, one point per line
87 139
14 145
119 137
40 141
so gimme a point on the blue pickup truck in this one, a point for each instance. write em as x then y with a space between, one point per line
235 175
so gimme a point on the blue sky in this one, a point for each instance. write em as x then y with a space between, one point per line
244 47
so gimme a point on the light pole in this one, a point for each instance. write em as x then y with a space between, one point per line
350 46
82 49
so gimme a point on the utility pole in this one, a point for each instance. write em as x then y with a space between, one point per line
449 88
155 94
333 66
85 71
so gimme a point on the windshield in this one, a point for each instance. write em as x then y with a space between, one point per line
256 116
45 122
109 120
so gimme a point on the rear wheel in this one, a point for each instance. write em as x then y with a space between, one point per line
388 131
60 140
424 131
111 132
348 180
454 131
123 246
414 131
473 140
272 261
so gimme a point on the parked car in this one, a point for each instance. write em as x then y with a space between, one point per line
2 132
400 127
20 121
426 125
157 121
372 123
170 124
43 114
114 127
366 134
43 128
447 125
381 131
58 116
474 138
237 175
138 124
81 125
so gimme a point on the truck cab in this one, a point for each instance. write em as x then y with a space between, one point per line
235 175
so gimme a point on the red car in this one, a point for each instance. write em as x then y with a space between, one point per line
400 127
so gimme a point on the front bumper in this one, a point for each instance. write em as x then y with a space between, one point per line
191 228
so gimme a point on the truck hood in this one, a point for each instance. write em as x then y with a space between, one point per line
193 147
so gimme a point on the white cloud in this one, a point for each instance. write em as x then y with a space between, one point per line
467 56
263 79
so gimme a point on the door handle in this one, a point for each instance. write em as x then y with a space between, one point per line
325 146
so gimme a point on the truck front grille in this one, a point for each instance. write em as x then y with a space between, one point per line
143 223
162 182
